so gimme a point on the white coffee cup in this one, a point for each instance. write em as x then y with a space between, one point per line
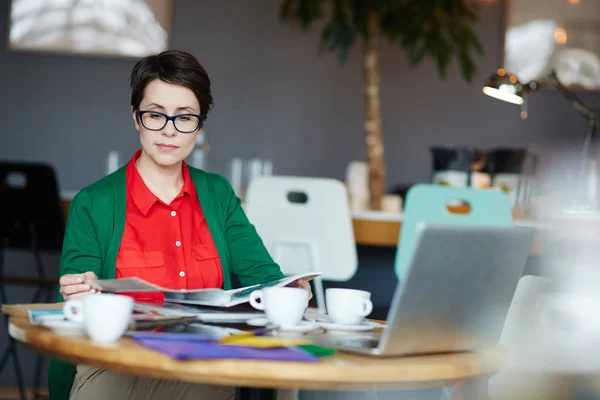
284 306
348 306
104 317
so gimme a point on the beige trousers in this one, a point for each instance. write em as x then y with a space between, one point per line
100 384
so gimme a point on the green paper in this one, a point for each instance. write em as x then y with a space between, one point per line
318 351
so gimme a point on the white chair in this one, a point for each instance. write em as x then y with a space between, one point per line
306 225
551 333
521 336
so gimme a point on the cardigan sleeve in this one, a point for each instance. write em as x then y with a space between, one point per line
80 251
80 254
250 260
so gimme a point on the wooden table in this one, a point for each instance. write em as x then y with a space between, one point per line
339 372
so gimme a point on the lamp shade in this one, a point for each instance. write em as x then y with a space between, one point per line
504 86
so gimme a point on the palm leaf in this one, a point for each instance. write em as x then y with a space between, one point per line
438 29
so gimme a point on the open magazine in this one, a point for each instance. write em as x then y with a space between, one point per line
205 297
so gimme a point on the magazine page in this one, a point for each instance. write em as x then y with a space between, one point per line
137 285
204 314
210 297
278 283
234 297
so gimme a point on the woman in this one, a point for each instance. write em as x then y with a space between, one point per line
160 220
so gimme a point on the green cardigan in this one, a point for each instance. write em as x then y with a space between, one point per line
95 227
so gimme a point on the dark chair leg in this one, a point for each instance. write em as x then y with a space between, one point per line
39 360
47 292
255 394
37 377
18 373
11 350
44 293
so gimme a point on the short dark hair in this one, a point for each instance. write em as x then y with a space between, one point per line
175 67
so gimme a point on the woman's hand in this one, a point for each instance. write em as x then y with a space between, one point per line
74 285
303 284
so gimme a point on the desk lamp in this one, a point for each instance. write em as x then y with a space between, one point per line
506 86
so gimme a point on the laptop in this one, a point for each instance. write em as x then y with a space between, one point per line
459 285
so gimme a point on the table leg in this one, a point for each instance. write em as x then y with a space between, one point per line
255 394
476 388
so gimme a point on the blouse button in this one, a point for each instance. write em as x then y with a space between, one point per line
181 274
178 243
173 213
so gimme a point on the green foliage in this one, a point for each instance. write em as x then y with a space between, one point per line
440 29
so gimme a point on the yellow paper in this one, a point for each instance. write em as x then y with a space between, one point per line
263 341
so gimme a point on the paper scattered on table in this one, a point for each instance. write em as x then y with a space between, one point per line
184 347
204 314
318 351
38 316
22 310
263 342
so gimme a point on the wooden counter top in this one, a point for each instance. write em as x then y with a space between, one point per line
371 228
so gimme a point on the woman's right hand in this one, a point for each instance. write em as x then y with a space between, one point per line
74 285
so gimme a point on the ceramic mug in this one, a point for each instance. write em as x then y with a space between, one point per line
283 306
105 317
348 306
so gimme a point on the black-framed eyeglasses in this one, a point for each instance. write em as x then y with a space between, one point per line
156 121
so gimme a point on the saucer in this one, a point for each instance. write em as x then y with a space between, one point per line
65 327
261 321
361 327
302 327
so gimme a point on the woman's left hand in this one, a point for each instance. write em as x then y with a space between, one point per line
303 284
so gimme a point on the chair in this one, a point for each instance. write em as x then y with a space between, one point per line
521 330
306 224
447 205
438 204
31 220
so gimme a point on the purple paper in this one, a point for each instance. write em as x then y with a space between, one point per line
186 348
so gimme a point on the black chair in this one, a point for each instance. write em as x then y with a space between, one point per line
31 220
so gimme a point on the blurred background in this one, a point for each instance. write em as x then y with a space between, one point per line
276 96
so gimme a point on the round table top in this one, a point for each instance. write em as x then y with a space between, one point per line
342 371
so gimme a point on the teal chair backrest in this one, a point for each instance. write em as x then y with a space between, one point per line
429 203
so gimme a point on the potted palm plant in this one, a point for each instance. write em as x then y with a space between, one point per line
440 29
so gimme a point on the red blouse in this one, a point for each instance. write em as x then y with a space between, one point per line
166 244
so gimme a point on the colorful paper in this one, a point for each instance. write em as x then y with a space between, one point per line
37 316
184 347
263 341
319 351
